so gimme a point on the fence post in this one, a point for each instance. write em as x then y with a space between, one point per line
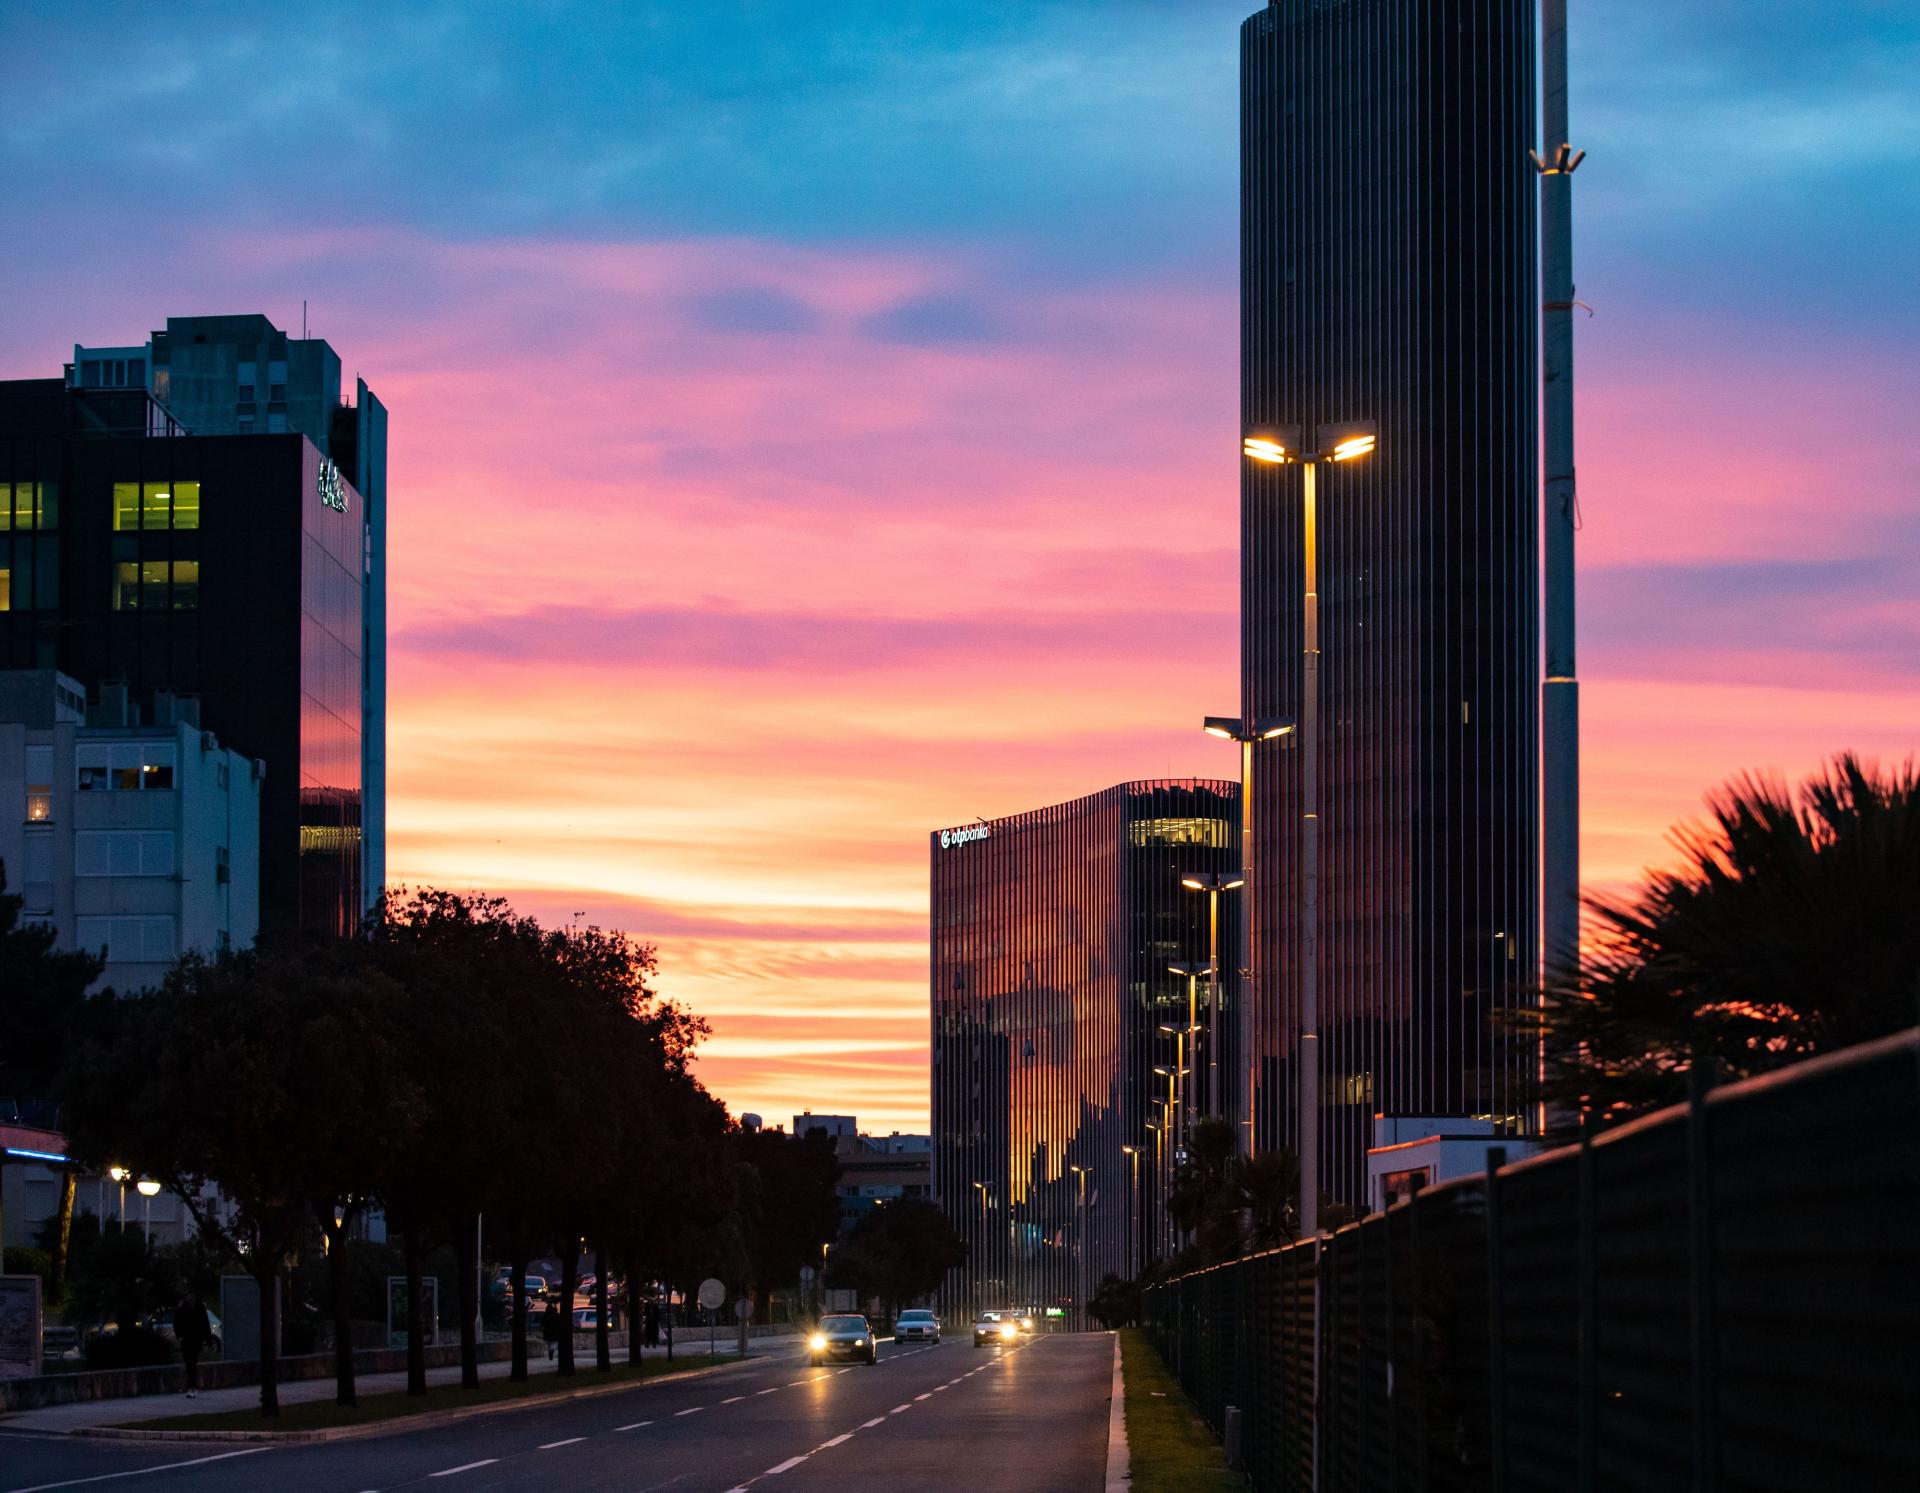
1496 1331
1422 1337
1585 1349
1700 1278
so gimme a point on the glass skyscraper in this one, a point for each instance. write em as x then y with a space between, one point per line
1052 936
202 514
1387 275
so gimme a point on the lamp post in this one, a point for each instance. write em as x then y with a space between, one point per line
1191 973
148 1190
1234 728
1132 1153
119 1175
1213 883
1277 447
1080 1290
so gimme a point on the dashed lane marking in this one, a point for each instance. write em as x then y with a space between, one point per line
786 1466
927 1396
898 1408
770 1389
635 1426
690 1410
570 1441
734 1401
868 1425
464 1467
843 1436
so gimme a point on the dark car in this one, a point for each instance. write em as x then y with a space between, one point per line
843 1335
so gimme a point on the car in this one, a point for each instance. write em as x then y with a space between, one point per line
916 1326
842 1335
996 1327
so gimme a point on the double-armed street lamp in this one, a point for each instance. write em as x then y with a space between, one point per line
1235 728
1213 883
1281 445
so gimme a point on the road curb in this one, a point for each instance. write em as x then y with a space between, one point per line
1119 1462
426 1420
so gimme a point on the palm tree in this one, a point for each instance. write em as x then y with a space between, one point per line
1791 927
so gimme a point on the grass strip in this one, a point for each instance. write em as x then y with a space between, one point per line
323 1414
1169 1446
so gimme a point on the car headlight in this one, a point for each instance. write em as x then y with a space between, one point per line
1009 1330
817 1342
859 1342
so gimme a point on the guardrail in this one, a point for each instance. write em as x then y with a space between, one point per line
1725 1294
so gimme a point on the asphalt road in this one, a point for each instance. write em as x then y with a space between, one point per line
1031 1418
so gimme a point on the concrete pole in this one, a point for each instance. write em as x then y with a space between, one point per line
1309 1055
1214 1106
1560 691
1246 1110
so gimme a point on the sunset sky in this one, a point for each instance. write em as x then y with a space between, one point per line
794 405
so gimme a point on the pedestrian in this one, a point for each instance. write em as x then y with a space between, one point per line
550 1331
652 1318
191 1330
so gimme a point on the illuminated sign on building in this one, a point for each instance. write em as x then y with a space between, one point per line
949 838
333 491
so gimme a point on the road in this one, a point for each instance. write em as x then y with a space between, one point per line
1031 1418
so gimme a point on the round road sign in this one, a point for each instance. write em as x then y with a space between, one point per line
806 1275
712 1294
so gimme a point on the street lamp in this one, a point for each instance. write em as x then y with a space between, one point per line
1081 1174
1191 973
1274 447
1132 1153
148 1190
1248 735
119 1175
1213 883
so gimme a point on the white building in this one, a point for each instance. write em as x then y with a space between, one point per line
139 838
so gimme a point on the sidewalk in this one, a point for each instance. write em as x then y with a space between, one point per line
66 1419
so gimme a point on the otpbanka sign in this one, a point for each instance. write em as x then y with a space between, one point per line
950 838
332 487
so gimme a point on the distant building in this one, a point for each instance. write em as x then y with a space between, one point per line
139 839
836 1126
879 1169
1052 936
201 515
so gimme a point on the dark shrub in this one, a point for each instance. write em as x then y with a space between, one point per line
129 1348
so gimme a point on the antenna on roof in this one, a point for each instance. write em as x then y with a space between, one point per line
303 318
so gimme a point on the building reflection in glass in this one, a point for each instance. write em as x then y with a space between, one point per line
1052 933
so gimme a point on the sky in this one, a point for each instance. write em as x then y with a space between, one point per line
814 424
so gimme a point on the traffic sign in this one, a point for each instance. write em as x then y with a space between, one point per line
712 1294
806 1275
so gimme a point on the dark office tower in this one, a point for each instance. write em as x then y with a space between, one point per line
202 514
1387 275
1052 935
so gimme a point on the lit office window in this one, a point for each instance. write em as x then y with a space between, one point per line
26 506
156 585
6 587
156 505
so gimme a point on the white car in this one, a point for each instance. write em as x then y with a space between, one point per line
916 1326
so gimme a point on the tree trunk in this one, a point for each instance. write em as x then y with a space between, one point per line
467 1265
413 1255
634 1324
569 1279
269 1284
343 1385
602 1349
62 1239
518 1373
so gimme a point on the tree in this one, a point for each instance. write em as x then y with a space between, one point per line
792 1203
43 995
900 1252
1788 929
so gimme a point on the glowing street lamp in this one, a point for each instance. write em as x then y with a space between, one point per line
1235 728
148 1190
120 1175
1213 883
1344 442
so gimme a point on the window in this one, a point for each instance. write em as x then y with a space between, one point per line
149 940
36 886
156 505
124 766
123 852
29 505
39 784
245 378
276 422
143 586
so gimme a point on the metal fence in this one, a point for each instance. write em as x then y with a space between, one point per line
1724 1295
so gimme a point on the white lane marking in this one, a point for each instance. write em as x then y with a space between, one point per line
786 1466
635 1426
843 1436
868 1425
898 1408
550 1445
690 1410
927 1396
140 1471
465 1467
734 1401
770 1389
